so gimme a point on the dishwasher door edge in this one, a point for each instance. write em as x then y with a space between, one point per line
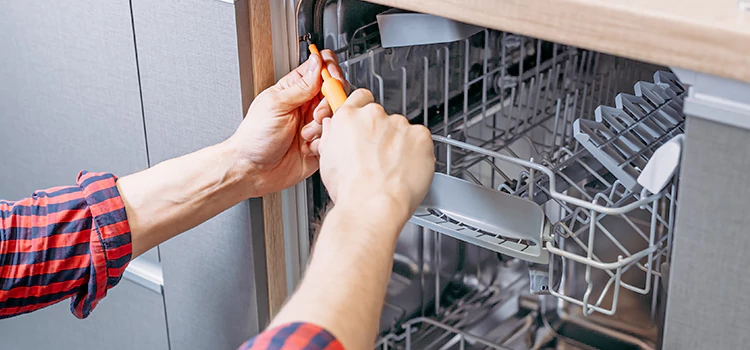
294 200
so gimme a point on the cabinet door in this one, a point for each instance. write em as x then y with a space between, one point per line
69 95
70 100
130 317
192 98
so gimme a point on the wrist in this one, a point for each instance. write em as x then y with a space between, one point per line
376 198
242 171
378 214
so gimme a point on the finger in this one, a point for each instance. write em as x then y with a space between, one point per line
309 110
311 131
326 131
332 64
304 148
329 57
315 147
298 73
359 98
310 161
311 165
302 84
322 111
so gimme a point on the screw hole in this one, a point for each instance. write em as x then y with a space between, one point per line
544 287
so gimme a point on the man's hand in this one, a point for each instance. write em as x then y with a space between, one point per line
367 156
377 168
273 141
269 152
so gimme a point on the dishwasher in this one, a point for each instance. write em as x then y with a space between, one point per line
550 219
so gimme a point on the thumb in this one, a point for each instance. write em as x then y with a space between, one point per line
302 84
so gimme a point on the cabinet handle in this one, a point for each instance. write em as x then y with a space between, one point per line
145 273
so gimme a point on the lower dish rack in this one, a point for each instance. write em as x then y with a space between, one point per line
539 152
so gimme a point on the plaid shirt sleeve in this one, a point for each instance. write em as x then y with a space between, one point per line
63 242
293 336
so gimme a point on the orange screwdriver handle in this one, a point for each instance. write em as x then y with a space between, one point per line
332 88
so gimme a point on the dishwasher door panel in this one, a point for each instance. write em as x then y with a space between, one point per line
708 305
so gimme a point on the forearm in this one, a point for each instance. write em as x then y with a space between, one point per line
179 194
346 280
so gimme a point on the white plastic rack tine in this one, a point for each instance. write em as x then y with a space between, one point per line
669 78
639 108
624 138
590 134
660 94
613 117
650 92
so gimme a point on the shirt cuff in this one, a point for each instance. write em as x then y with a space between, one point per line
294 336
110 246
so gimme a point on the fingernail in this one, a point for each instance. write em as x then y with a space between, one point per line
333 69
312 65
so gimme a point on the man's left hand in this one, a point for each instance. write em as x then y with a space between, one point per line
274 141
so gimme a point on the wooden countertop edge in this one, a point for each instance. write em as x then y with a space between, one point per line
652 36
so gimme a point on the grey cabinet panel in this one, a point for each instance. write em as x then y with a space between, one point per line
151 255
708 305
130 317
188 57
69 95
70 100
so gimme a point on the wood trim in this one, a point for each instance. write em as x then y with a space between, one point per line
709 36
261 76
261 44
273 229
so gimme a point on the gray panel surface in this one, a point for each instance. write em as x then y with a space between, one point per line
190 77
130 317
69 100
69 95
708 305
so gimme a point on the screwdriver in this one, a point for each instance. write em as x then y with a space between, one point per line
332 88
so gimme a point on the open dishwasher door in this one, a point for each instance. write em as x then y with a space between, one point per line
512 117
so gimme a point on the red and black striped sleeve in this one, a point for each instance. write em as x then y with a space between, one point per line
294 336
64 242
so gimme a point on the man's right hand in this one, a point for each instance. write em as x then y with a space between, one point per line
368 157
377 169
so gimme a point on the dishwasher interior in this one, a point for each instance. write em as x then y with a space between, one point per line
549 222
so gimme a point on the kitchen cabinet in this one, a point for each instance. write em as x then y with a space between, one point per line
118 87
72 92
69 100
130 317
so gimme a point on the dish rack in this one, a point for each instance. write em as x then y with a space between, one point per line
551 126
